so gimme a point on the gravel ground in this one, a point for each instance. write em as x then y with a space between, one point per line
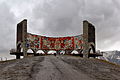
58 68
96 69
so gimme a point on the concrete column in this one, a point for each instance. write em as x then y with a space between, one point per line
68 51
22 36
45 51
17 56
85 39
57 52
24 24
79 51
88 37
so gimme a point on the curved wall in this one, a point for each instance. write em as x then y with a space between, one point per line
38 42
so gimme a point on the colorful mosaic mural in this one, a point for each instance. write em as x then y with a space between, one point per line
33 41
53 43
78 42
58 43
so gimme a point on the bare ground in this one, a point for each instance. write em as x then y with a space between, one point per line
58 68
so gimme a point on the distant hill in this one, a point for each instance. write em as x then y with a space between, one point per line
112 56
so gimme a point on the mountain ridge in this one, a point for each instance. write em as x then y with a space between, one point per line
112 56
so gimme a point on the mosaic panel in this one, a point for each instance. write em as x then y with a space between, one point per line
53 43
58 43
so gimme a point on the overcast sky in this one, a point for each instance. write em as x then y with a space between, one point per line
60 18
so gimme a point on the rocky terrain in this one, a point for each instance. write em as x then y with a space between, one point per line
58 68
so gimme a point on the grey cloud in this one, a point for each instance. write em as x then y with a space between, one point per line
61 18
116 3
7 31
64 17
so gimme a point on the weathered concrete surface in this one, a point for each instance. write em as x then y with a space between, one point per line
58 68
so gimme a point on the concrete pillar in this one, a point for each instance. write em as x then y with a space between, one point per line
85 39
34 51
68 51
21 37
88 37
45 51
79 51
58 52
24 24
17 56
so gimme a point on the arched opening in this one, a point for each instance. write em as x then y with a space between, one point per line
21 50
30 52
77 53
74 52
51 52
62 52
92 49
21 57
39 53
19 47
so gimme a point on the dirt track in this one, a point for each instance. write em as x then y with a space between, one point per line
58 68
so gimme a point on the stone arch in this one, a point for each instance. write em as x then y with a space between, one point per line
45 51
21 50
19 46
74 52
91 43
39 52
62 52
51 52
80 51
30 52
